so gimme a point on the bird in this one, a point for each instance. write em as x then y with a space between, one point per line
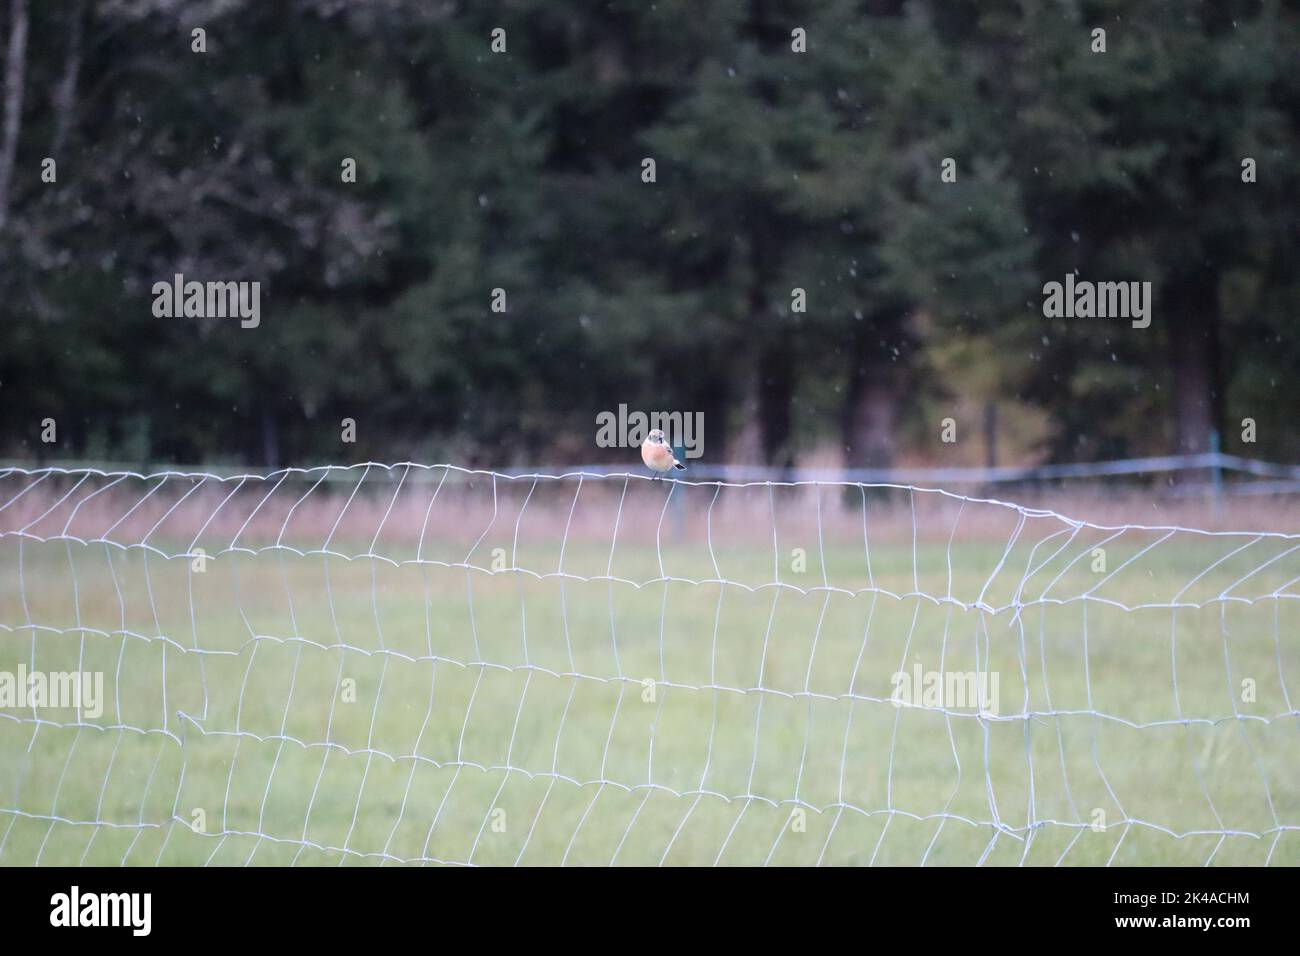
658 455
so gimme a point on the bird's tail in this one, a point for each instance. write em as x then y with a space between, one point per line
679 466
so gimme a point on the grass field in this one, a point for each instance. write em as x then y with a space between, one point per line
281 708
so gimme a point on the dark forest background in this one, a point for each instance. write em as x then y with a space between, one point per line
522 170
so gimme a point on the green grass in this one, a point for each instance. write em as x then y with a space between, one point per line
545 676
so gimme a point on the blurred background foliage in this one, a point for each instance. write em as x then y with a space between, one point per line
522 170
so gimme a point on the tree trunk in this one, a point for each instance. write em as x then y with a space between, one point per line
744 446
713 401
1193 340
870 418
15 67
775 398
774 364
868 422
65 94
270 439
991 434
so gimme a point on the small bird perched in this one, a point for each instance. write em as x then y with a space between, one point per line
658 455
